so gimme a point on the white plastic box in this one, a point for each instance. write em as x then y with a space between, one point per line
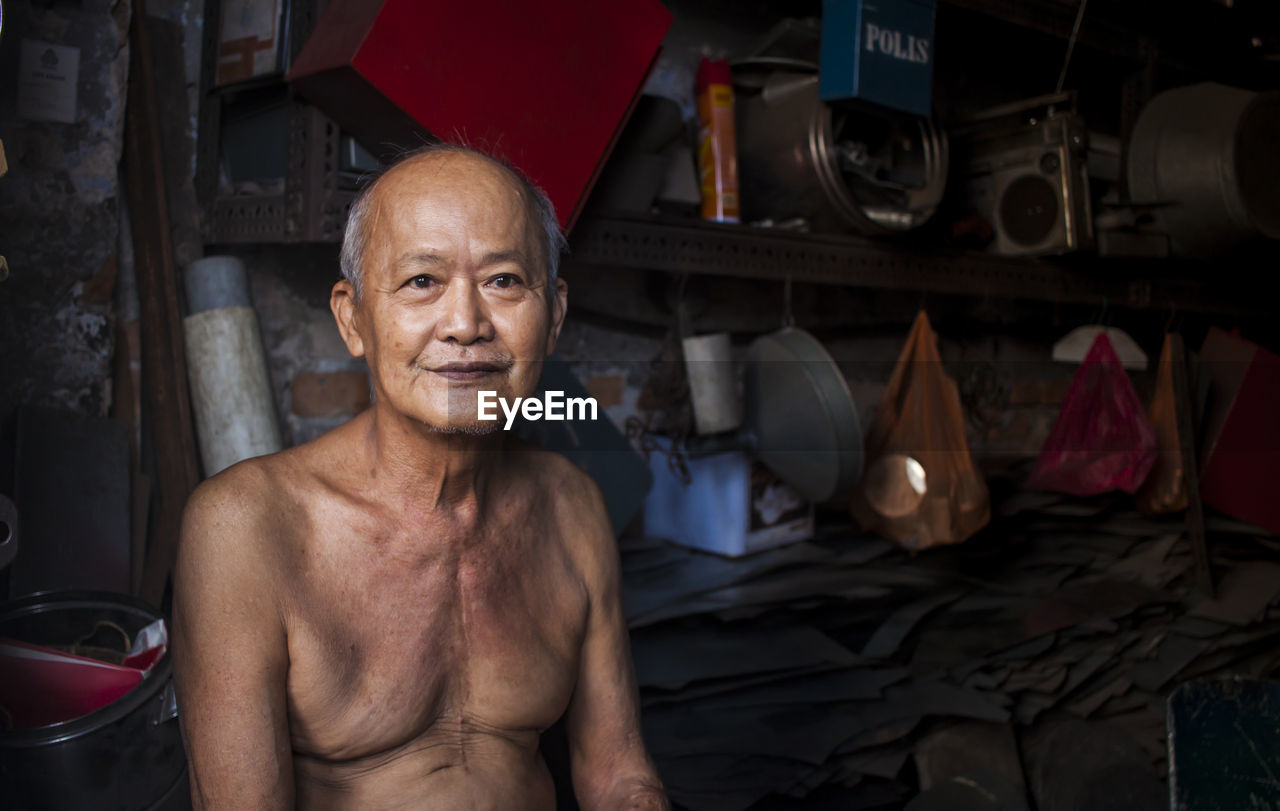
733 505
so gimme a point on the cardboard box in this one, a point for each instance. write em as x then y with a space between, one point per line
732 506
879 51
250 39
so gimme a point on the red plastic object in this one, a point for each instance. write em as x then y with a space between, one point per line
41 686
1102 439
713 71
1240 465
547 84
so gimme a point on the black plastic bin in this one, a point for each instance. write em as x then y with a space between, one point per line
127 755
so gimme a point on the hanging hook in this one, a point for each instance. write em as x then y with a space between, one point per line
1098 315
788 317
682 309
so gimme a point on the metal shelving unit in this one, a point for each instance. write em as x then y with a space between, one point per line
754 253
312 206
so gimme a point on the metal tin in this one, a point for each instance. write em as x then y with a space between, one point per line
1208 153
794 156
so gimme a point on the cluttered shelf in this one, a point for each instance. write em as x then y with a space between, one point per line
1030 170
688 246
1008 161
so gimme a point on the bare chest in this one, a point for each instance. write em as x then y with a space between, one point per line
386 649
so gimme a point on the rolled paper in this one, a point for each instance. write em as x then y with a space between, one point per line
215 282
230 387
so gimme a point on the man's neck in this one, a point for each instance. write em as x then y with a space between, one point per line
425 469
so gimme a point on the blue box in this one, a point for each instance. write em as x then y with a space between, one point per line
879 51
733 506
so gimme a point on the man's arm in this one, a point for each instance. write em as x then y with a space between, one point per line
230 657
611 769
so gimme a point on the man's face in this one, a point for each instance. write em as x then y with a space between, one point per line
455 296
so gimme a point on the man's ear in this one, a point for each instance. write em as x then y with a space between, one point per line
342 301
559 305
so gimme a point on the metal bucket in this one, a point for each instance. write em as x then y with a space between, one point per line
127 755
1207 155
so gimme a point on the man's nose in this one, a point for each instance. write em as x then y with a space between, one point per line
463 318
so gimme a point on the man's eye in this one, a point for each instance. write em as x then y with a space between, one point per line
506 281
421 282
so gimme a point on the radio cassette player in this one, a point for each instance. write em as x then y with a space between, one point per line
1022 169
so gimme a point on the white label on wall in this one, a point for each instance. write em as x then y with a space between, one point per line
47 78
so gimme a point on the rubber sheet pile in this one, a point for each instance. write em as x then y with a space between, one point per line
1030 665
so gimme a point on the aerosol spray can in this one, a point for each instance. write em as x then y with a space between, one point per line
717 152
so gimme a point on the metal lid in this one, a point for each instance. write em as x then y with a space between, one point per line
800 420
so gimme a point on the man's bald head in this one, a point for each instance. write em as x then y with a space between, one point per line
541 214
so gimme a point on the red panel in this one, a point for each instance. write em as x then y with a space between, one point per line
547 84
1241 471
42 686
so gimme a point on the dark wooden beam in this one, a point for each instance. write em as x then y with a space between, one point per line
163 361
1190 473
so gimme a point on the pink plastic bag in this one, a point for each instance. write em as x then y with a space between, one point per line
1102 439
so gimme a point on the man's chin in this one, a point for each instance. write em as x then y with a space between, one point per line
466 428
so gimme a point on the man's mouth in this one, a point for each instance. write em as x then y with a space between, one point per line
463 372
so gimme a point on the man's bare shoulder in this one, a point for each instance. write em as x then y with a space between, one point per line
577 508
247 508
568 487
244 490
256 489
229 514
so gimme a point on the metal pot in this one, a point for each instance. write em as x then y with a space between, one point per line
840 169
127 755
801 420
1206 156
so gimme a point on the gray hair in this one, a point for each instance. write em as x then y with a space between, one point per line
542 214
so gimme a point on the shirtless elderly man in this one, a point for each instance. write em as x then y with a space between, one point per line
390 615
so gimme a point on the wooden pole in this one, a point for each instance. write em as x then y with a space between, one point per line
163 362
1190 473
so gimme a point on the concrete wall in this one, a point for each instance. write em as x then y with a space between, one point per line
318 384
59 210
